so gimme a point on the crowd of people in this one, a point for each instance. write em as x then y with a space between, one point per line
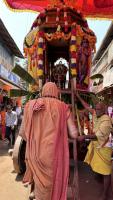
9 121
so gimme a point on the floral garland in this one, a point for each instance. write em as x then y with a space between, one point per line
39 19
65 20
33 67
40 52
31 42
57 35
34 43
58 15
73 50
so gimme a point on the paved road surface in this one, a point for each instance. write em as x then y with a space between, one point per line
11 187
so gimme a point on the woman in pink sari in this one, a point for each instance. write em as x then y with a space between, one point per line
44 128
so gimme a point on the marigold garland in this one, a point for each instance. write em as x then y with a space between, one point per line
65 20
73 50
40 52
35 41
57 35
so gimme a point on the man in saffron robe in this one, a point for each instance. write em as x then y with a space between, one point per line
44 128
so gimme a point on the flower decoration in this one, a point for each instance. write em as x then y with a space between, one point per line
35 40
58 15
40 51
65 20
73 50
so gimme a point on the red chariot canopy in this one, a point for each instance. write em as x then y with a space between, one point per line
90 8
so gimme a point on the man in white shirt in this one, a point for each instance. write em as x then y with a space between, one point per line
18 110
11 123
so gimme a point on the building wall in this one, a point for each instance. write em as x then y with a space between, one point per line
7 64
101 64
6 58
104 66
110 52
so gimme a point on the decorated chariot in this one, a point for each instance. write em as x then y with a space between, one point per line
60 34
59 48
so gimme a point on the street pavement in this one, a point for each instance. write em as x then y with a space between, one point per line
11 187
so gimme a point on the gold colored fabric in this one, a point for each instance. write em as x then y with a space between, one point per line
99 155
99 158
31 36
102 128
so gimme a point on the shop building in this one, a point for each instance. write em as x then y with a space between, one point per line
103 64
8 52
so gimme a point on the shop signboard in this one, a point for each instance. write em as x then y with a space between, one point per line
9 75
12 77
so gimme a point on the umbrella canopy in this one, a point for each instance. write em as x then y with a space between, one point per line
90 8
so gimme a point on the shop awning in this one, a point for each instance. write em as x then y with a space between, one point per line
7 85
